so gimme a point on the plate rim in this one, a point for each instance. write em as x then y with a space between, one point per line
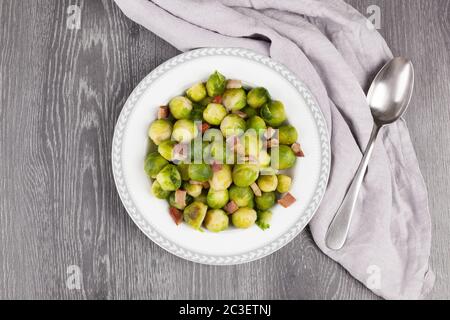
254 254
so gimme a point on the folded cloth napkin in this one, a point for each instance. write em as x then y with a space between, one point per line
332 49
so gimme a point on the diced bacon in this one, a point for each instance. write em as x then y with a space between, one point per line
287 200
180 152
180 198
270 132
256 189
241 114
231 207
176 215
234 84
216 166
163 112
297 148
217 99
205 126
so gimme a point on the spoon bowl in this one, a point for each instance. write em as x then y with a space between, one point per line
391 91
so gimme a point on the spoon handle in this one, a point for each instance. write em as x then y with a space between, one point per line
338 229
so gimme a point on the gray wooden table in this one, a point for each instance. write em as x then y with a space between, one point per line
61 92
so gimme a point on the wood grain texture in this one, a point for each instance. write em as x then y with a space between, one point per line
61 92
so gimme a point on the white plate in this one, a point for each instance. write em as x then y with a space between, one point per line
130 146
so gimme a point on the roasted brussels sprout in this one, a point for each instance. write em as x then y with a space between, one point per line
183 168
194 190
197 92
221 179
266 201
180 107
273 113
195 213
216 84
268 183
216 220
264 218
242 196
282 157
249 111
257 97
244 218
166 149
201 172
175 204
214 113
287 135
160 130
245 174
284 183
234 99
217 199
256 123
184 131
158 192
232 125
169 178
154 163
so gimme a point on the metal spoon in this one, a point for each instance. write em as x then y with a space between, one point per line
388 98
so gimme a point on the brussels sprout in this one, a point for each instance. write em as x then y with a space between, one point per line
264 218
221 179
242 196
184 131
200 172
195 213
154 163
273 113
287 135
234 99
256 123
169 178
216 84
263 159
266 201
245 174
283 157
257 97
166 149
249 111
160 130
183 168
197 92
158 192
180 107
232 125
216 220
217 199
173 203
214 113
194 190
197 113
244 218
284 183
252 143
268 183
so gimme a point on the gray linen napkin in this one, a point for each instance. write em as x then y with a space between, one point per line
330 47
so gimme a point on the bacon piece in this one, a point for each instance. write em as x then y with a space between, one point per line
176 215
269 133
231 207
297 148
205 126
287 200
241 114
234 84
216 166
163 112
217 99
180 198
256 189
